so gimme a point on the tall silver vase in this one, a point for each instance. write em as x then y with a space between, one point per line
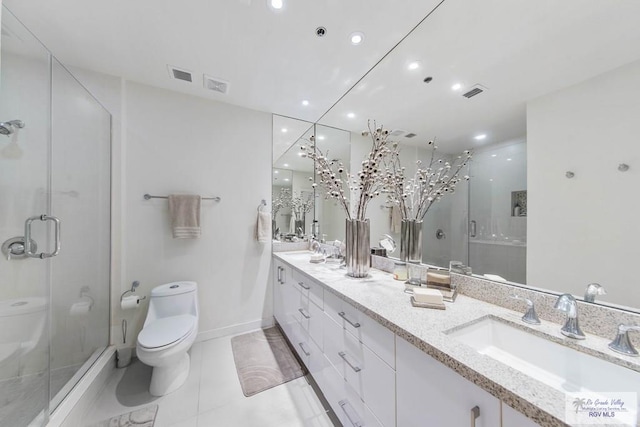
411 240
358 253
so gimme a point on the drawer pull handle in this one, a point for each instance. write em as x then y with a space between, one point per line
305 287
353 419
344 316
306 353
279 274
475 414
306 316
343 355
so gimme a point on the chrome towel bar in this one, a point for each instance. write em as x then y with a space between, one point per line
149 196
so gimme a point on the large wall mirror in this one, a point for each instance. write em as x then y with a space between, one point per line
545 93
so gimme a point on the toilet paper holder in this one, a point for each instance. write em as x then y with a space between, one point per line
134 285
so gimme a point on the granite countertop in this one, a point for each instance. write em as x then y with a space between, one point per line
383 298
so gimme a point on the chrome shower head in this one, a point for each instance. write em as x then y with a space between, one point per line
7 128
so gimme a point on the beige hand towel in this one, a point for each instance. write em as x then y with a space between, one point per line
263 228
184 211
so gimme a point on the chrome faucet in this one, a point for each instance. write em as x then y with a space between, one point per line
567 304
530 316
622 343
593 289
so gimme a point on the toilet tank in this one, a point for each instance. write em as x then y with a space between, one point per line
173 299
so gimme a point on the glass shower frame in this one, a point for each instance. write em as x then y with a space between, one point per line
59 164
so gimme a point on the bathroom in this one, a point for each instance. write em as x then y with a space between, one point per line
115 76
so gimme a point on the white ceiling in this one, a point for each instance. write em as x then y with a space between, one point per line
272 60
518 49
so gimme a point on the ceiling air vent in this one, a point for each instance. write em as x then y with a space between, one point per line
475 90
410 135
215 84
179 74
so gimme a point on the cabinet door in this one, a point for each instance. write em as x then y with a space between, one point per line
430 394
513 418
278 293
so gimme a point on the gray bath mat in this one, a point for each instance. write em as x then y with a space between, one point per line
264 360
143 417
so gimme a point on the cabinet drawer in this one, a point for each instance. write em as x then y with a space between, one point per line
310 317
307 350
372 334
368 376
309 288
345 402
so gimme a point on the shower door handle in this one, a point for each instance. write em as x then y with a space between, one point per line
29 250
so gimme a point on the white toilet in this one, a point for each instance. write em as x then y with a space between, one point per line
169 331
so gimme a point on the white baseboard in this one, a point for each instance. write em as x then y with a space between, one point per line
72 409
234 329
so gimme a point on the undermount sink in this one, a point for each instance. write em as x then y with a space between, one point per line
556 365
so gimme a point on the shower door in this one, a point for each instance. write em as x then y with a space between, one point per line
25 92
54 187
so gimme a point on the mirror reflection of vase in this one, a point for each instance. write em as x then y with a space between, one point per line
358 248
411 241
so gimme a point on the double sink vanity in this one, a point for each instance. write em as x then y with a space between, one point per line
381 362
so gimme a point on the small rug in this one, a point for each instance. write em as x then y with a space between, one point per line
143 417
264 360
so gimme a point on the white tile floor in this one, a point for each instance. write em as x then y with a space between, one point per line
211 396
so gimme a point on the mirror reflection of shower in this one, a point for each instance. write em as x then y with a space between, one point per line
8 128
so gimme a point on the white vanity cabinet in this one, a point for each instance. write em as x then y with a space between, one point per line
370 376
431 394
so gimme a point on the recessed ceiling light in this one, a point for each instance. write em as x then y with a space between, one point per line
456 86
276 172
351 115
284 130
300 154
508 160
286 179
490 179
494 155
321 137
305 102
286 165
356 38
414 65
480 137
276 4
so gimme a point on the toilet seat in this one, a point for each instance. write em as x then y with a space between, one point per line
166 331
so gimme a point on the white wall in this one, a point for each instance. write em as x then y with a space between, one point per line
585 229
182 144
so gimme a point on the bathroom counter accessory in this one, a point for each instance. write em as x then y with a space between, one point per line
149 197
383 299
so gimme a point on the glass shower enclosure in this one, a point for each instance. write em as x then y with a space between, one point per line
55 150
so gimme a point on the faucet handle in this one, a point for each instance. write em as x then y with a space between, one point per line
621 343
530 316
